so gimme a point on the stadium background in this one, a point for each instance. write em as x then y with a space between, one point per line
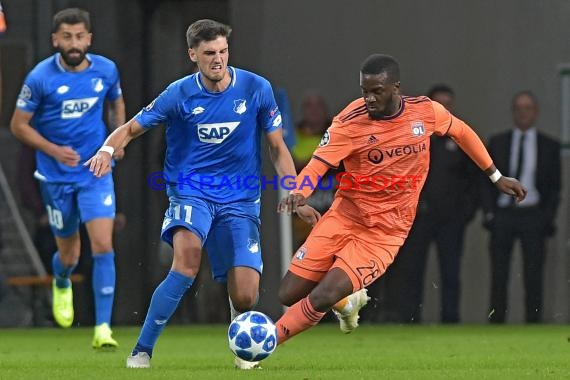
486 50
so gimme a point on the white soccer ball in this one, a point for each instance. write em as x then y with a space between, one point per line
252 336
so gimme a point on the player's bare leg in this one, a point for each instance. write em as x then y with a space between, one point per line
187 253
307 312
335 286
243 287
64 261
69 249
294 288
100 231
243 290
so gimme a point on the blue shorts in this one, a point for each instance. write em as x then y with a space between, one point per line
229 232
70 204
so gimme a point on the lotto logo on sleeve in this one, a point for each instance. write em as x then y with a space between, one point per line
215 133
75 108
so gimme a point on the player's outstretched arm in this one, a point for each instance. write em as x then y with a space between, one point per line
280 155
21 128
472 145
285 167
100 163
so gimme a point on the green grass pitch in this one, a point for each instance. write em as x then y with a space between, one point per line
371 352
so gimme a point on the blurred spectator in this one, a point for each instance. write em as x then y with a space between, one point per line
534 159
447 203
314 122
2 30
309 130
3 25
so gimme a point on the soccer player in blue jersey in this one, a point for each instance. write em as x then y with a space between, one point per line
59 113
214 122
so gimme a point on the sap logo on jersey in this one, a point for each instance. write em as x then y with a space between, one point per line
75 108
215 133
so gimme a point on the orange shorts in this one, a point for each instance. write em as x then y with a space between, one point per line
338 242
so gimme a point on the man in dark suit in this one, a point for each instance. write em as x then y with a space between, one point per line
447 203
534 159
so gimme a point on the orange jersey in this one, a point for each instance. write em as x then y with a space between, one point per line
386 161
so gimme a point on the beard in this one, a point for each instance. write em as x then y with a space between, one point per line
389 108
73 61
376 115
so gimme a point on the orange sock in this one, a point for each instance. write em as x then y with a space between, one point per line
296 319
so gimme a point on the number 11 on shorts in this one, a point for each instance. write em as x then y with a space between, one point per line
187 211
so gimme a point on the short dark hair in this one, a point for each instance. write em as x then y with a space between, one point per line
71 16
440 88
380 63
206 30
528 93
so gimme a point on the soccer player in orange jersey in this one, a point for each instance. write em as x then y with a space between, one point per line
383 140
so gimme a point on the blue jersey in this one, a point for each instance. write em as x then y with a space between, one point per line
68 111
213 139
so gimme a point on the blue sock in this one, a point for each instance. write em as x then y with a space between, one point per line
162 305
61 272
103 286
